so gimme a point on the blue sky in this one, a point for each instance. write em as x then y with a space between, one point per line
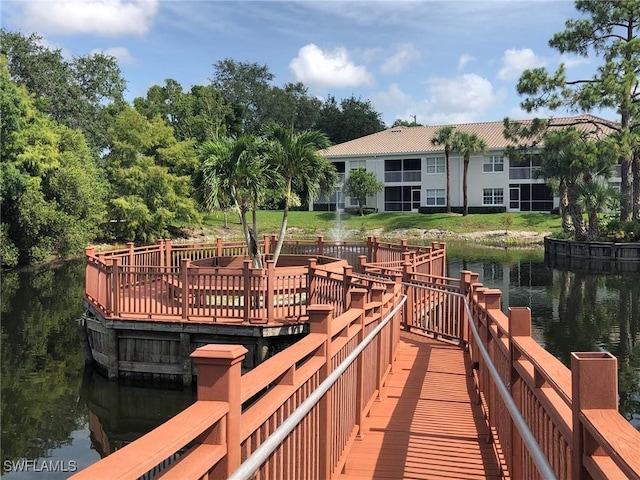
442 61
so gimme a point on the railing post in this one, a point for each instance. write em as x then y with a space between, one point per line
219 247
185 263
270 295
161 254
167 251
347 273
246 276
358 299
362 261
130 264
312 282
519 326
376 249
369 256
377 296
410 292
594 385
465 281
267 246
397 320
320 317
320 245
115 272
492 303
219 370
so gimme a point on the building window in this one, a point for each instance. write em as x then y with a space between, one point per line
356 164
493 164
493 196
407 170
435 165
435 196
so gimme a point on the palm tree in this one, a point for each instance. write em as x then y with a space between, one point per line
595 196
295 157
233 172
445 136
574 161
467 144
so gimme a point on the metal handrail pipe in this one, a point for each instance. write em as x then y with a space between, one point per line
251 465
537 455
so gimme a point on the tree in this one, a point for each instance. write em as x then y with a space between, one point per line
362 184
296 159
467 144
354 118
233 172
607 29
150 194
247 86
575 162
51 192
74 93
445 136
201 114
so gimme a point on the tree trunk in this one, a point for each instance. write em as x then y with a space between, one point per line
594 229
253 248
465 209
361 210
626 189
580 229
283 225
636 186
447 165
567 224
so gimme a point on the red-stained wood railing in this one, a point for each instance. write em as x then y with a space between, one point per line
571 413
234 414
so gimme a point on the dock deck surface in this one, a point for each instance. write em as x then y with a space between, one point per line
426 426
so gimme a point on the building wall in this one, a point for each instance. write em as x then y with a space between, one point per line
478 179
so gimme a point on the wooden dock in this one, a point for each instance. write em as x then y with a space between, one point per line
426 426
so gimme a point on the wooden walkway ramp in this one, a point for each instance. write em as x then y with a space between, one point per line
426 426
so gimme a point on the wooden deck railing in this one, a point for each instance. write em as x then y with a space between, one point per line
179 282
572 413
242 411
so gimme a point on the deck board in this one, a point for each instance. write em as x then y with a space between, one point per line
426 426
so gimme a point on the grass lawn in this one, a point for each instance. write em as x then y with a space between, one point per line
320 223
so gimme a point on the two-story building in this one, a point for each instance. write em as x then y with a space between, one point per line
413 170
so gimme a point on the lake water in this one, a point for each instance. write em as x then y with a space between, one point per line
58 416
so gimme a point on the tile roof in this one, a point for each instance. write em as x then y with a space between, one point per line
418 139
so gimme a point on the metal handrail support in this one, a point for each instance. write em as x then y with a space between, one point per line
251 465
537 455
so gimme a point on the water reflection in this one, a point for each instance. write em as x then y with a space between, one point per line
58 416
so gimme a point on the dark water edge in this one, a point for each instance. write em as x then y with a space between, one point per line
58 416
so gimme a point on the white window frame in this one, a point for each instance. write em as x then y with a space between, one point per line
437 167
492 194
490 164
357 164
435 197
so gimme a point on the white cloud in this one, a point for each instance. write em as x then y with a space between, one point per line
98 17
515 61
571 61
122 54
328 69
464 59
393 100
459 100
406 53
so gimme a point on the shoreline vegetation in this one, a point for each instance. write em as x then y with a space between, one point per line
517 230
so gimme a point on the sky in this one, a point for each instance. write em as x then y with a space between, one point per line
438 62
